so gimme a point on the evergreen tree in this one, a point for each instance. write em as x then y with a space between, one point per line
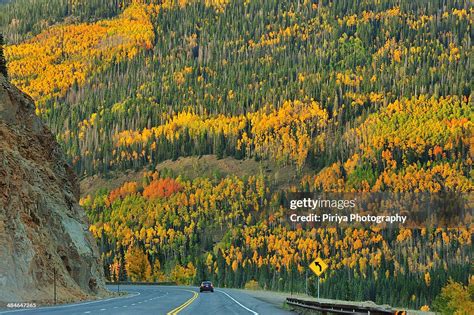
3 62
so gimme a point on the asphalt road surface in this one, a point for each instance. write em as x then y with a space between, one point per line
167 300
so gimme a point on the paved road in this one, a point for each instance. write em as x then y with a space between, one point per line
165 300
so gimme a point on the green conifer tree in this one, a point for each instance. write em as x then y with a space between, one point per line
3 62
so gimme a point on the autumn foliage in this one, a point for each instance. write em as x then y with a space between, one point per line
126 189
286 134
137 266
161 188
342 96
266 248
47 65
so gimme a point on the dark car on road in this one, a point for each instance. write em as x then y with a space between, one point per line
206 286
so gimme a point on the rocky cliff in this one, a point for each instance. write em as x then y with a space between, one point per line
42 228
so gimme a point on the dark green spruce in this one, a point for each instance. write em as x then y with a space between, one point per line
3 62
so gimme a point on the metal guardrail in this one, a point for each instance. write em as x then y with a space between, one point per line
341 308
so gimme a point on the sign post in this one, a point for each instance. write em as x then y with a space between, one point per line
318 287
118 277
54 284
306 282
318 266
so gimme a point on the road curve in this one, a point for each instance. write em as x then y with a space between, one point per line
166 300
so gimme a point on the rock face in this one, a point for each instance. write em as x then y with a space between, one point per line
42 228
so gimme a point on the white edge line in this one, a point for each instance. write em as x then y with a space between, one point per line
248 309
70 305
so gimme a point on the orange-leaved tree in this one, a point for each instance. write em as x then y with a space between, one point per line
163 187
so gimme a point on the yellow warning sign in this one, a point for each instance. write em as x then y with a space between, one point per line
318 266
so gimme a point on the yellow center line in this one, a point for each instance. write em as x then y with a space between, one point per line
185 304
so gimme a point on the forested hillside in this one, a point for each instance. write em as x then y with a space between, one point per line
361 96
